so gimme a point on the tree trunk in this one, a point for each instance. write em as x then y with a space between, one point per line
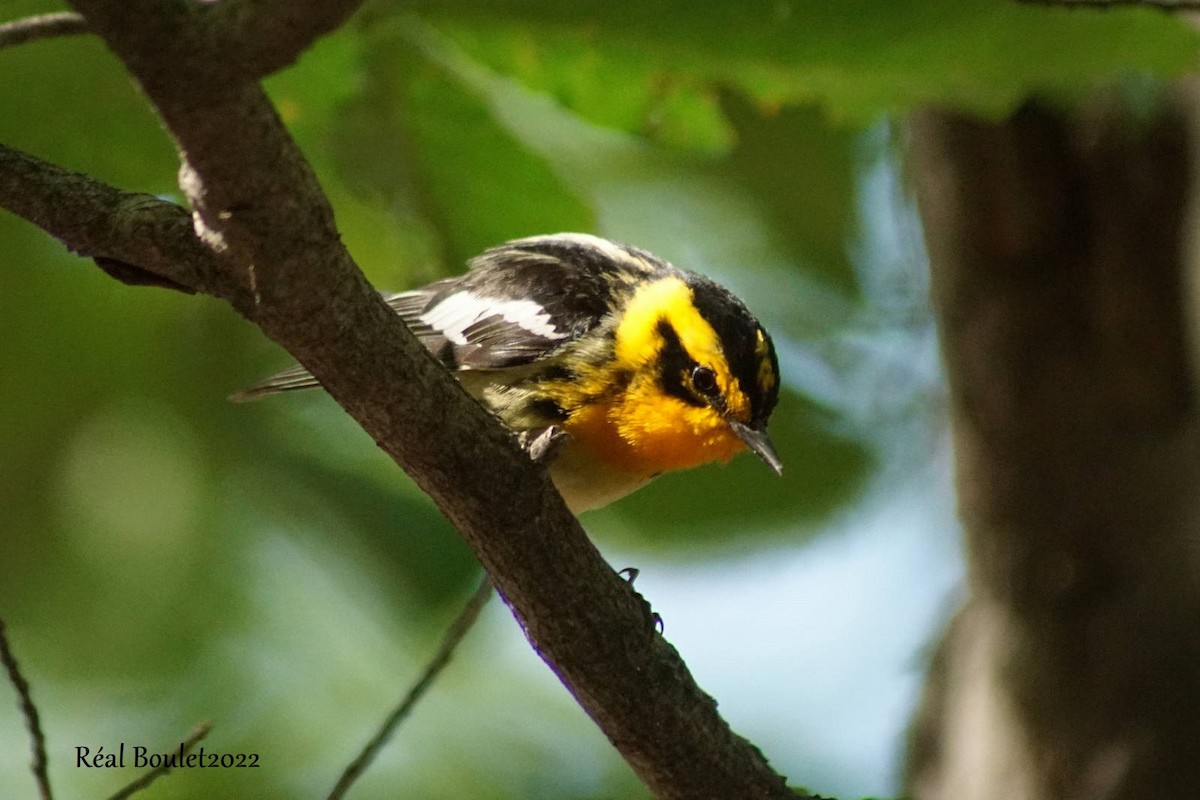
1058 251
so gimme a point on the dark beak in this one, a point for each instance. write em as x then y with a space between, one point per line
759 443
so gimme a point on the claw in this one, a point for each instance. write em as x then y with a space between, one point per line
543 447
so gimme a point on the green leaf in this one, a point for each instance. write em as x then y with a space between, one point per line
605 82
856 58
432 151
803 170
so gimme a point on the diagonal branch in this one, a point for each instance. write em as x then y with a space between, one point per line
268 35
30 712
212 47
450 641
143 781
271 248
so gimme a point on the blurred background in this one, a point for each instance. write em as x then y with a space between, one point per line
168 557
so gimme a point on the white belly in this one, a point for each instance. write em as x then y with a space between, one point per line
584 486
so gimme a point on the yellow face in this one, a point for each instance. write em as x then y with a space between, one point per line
646 437
675 411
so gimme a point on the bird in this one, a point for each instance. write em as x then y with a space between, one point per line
610 365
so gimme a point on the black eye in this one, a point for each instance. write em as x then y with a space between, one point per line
705 380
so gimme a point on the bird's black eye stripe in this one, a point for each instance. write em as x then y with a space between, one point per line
674 365
738 332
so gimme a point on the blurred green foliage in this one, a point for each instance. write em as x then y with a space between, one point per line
168 557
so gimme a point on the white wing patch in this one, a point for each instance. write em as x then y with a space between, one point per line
458 312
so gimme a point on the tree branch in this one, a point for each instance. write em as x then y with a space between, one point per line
268 35
276 256
1161 5
454 634
263 36
136 238
144 781
1057 264
30 712
213 47
42 26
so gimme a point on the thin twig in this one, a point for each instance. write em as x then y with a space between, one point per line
29 710
1160 5
150 777
458 629
42 26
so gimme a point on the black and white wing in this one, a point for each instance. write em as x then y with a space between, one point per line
519 302
523 300
466 329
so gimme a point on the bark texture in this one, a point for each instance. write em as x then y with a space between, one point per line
1058 249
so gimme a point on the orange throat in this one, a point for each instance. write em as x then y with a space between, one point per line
648 437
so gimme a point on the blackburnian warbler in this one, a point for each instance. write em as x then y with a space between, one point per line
645 367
